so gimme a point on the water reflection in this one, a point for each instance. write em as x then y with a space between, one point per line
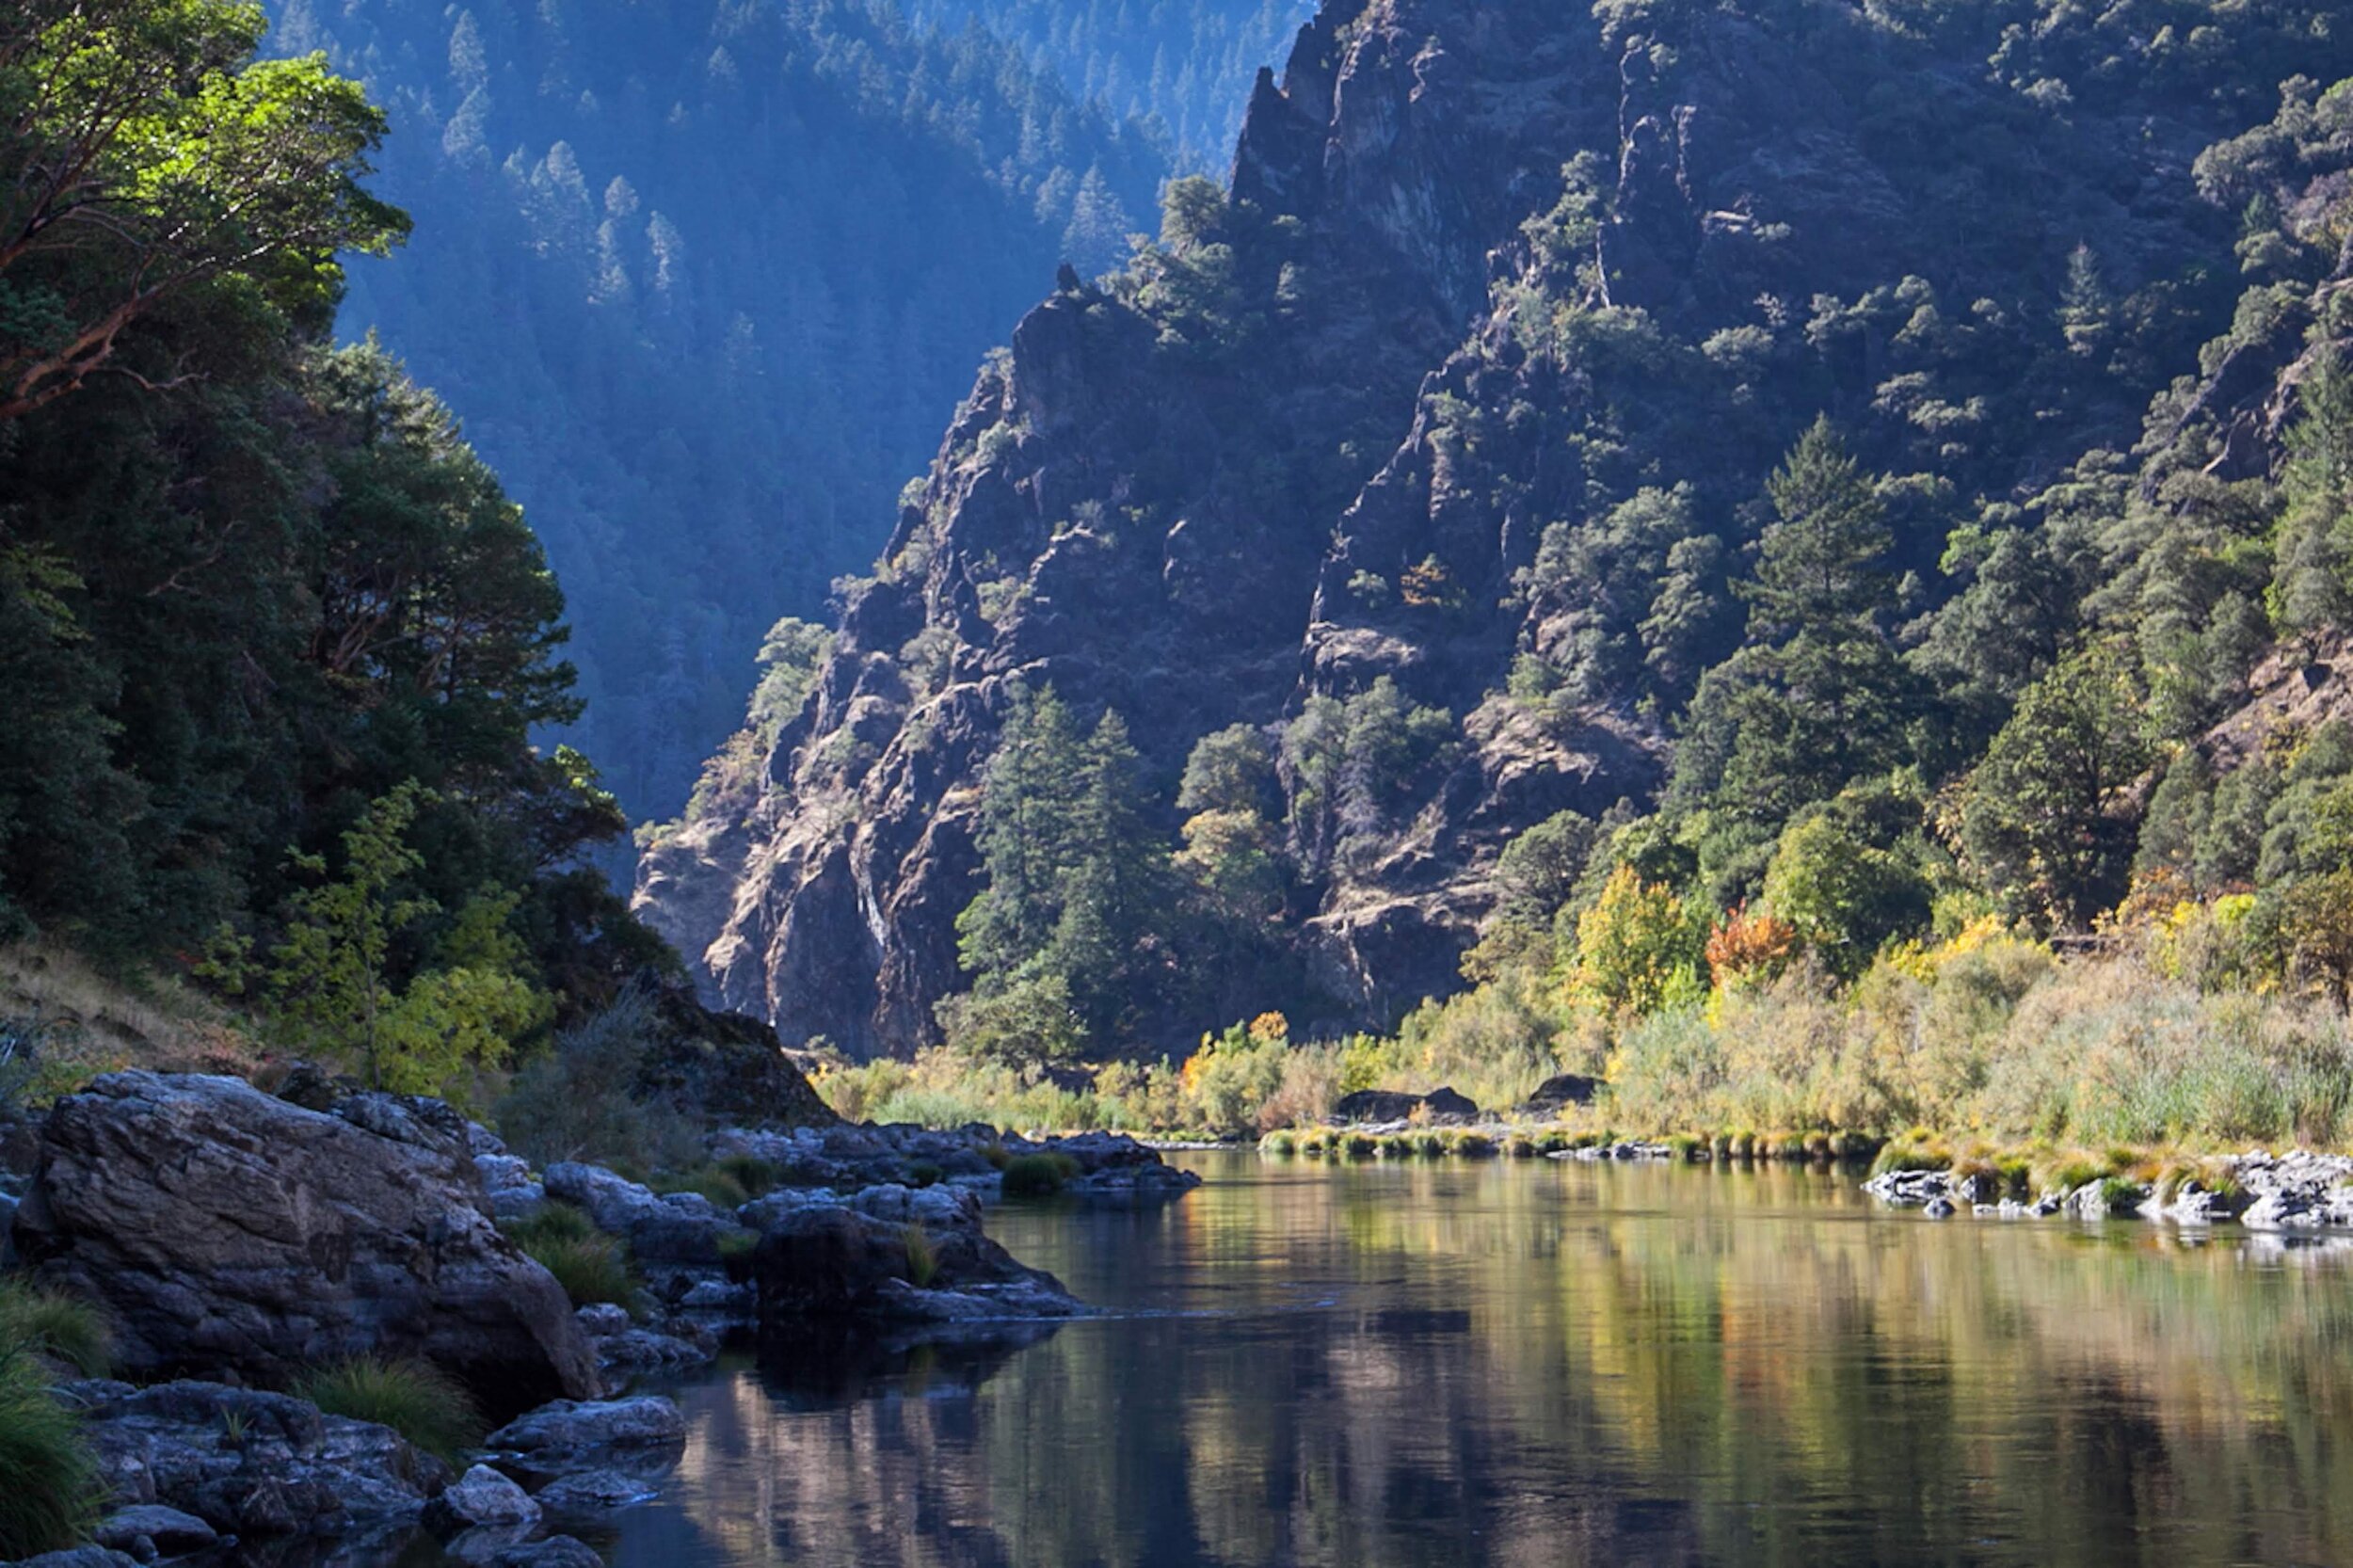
1515 1365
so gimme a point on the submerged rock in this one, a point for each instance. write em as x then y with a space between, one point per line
161 1531
595 1490
824 1262
227 1231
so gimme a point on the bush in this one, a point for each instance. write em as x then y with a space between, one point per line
415 1399
50 1491
578 1101
52 1324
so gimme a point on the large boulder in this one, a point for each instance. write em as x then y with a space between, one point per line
227 1231
1388 1105
859 1260
1557 1093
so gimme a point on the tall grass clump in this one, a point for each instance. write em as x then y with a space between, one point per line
1037 1176
593 1268
415 1399
922 1256
49 1323
50 1492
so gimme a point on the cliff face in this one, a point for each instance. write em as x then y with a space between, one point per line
1446 414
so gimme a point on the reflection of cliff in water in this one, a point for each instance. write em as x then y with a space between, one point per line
812 1366
1514 1364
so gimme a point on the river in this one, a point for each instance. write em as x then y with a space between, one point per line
1553 1363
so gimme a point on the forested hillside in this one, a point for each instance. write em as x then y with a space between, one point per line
703 282
1628 490
276 650
1187 64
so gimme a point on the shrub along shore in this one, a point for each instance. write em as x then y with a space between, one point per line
1986 1046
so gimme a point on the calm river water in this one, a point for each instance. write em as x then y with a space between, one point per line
1549 1363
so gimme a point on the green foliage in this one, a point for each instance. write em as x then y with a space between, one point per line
1846 896
414 1398
1064 939
922 1256
1637 947
330 981
50 1490
34 1322
148 156
584 1097
2040 819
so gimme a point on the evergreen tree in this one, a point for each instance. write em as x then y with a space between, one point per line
1817 696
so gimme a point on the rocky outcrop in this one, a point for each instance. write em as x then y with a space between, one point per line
1345 468
226 1231
250 1463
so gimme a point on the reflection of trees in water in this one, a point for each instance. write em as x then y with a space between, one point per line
1513 1365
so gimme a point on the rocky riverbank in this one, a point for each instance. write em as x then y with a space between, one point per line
234 1241
2299 1191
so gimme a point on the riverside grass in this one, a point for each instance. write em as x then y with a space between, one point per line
592 1267
415 1399
50 1490
1990 1038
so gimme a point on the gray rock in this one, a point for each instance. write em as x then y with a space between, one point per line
501 1173
227 1231
842 1263
1938 1208
595 1490
675 1228
166 1531
721 1298
482 1497
1911 1188
601 1319
568 1426
80 1557
247 1463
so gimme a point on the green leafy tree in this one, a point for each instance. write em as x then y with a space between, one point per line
144 151
1636 947
1845 896
1079 894
335 981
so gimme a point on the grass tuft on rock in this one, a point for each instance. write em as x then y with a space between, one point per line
591 1266
922 1256
1037 1176
415 1399
50 1492
52 1324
